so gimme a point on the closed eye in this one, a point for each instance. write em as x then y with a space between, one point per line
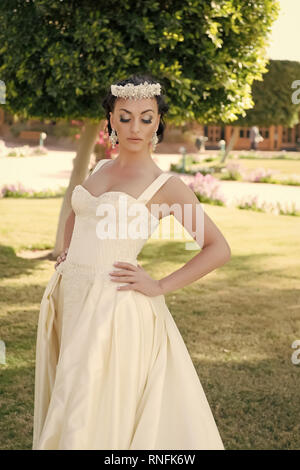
147 121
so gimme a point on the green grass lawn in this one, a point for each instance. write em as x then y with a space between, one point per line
238 322
285 167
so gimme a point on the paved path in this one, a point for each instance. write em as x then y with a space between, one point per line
54 169
272 193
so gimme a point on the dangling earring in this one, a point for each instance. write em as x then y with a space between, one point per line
154 140
113 138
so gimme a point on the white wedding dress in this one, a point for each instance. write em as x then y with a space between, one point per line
112 369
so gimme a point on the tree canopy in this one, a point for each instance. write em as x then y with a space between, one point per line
273 97
57 58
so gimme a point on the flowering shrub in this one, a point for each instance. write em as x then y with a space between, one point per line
293 180
233 171
261 175
276 208
103 147
18 190
206 188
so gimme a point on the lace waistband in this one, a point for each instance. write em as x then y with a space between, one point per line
71 268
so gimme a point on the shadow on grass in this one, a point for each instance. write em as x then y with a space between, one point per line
12 265
237 328
249 410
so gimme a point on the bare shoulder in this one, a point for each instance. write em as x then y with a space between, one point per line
98 174
102 167
177 191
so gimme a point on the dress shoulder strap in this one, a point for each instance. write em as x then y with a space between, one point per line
99 164
154 187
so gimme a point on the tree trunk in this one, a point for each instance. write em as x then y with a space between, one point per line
232 143
80 170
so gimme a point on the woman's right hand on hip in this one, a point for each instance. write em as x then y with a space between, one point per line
61 258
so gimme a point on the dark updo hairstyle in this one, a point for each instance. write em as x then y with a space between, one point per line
108 102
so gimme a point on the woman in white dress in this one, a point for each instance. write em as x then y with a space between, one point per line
112 370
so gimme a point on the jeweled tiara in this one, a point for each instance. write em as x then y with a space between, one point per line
144 90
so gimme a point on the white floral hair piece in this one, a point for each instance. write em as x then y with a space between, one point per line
144 90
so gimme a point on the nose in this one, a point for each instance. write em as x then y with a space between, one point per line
135 126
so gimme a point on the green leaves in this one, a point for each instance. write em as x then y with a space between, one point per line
272 96
58 61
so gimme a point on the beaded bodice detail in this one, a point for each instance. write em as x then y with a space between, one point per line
111 227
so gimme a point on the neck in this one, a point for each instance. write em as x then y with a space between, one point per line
129 159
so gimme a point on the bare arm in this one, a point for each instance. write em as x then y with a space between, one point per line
69 226
215 249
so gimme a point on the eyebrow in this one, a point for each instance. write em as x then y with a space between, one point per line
123 109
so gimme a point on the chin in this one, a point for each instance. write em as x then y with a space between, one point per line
138 145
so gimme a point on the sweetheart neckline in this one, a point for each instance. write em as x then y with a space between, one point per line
139 198
107 192
117 192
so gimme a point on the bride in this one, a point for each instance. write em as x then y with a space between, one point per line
112 370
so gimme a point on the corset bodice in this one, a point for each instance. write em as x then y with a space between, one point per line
113 226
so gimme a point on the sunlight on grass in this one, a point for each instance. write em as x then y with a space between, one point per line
286 167
238 322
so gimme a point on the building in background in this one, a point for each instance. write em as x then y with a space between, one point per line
275 137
